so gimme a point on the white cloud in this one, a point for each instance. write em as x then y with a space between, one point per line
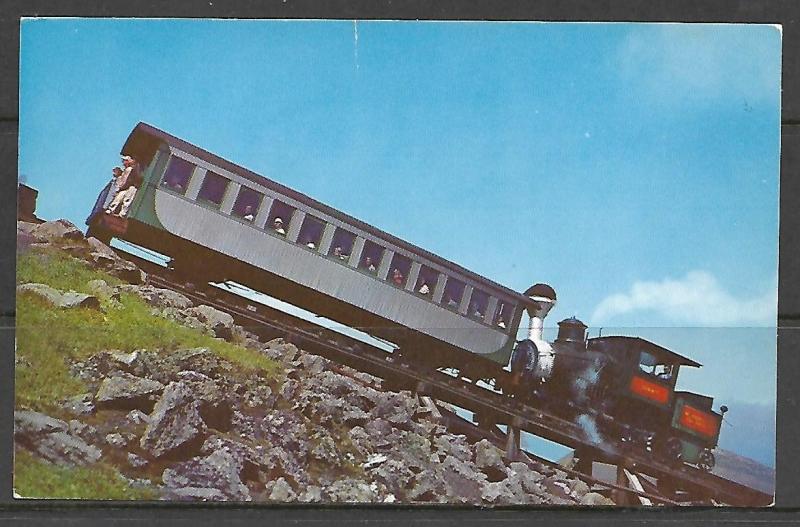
697 299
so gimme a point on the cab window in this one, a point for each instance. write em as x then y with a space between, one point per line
453 292
176 177
650 365
399 269
213 188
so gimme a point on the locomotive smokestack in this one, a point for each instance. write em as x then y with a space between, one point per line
542 299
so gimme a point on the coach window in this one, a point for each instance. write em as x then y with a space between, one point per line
279 216
399 269
453 292
426 281
342 244
311 232
477 304
371 257
213 188
246 205
177 175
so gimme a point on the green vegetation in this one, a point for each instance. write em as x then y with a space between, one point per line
48 338
34 478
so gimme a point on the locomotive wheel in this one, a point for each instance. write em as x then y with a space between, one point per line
706 461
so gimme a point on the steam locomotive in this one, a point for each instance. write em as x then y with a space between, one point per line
218 221
619 387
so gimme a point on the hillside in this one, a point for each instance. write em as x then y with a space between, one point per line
127 391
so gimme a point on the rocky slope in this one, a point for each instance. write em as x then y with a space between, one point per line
192 425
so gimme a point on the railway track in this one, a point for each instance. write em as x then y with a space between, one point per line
696 486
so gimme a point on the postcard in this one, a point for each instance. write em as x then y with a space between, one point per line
482 264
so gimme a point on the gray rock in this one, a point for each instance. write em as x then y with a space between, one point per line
351 491
280 350
529 478
282 491
579 488
101 288
116 440
427 486
33 424
56 230
217 471
175 422
219 322
65 449
136 461
313 364
489 459
158 297
463 482
594 499
312 494
137 417
56 298
247 459
124 390
394 474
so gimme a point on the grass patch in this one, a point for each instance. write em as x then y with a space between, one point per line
48 338
34 478
59 270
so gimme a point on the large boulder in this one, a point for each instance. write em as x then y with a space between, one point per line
281 491
51 440
489 459
56 298
158 297
218 472
104 257
125 391
351 491
595 499
219 322
51 231
176 425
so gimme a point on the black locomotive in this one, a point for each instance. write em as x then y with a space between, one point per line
620 389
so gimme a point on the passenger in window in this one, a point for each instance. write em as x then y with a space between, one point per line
397 277
449 302
369 265
475 310
424 289
277 226
310 243
501 323
248 214
337 252
174 183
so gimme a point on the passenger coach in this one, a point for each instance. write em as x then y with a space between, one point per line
219 221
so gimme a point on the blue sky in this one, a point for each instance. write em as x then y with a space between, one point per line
632 167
